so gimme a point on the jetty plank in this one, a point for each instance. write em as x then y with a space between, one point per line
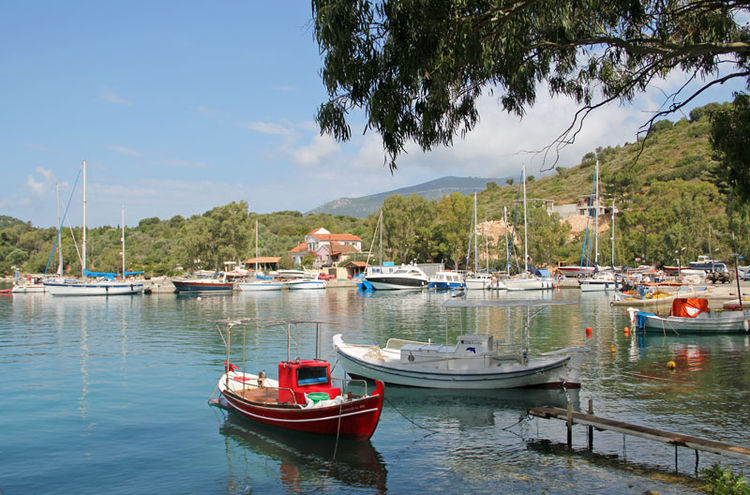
678 439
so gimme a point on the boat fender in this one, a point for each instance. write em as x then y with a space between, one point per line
747 325
411 357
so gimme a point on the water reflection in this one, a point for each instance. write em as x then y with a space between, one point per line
304 459
472 408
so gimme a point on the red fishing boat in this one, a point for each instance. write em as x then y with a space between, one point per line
304 398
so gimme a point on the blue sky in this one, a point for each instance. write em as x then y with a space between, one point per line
181 107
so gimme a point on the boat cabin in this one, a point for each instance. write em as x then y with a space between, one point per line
305 376
464 354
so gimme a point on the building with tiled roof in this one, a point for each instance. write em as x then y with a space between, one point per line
328 248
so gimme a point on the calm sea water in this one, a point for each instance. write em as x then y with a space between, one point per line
110 396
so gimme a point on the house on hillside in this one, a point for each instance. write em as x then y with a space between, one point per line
583 207
329 249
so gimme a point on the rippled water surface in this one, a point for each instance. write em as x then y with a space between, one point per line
110 396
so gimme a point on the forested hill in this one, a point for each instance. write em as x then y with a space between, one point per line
667 200
435 189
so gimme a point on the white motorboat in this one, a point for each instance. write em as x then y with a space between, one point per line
260 285
604 281
30 284
308 282
403 277
474 362
447 280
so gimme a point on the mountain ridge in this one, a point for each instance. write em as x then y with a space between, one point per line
363 206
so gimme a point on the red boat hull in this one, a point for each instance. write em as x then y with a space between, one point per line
355 419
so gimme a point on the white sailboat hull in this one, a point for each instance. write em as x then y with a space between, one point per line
478 283
530 283
93 288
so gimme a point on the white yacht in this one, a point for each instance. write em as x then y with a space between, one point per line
403 277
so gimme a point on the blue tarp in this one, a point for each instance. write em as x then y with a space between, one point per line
107 275
543 273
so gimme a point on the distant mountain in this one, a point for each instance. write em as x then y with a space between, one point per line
434 189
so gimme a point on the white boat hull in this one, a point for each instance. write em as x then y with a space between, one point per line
305 284
376 364
598 285
528 284
260 286
478 283
94 289
706 323
29 289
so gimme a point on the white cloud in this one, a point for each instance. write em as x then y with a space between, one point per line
125 151
319 149
267 128
112 97
39 188
183 163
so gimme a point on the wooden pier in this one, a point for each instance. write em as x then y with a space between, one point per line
678 440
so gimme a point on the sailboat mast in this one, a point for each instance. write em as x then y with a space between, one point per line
596 218
83 263
380 228
507 248
525 226
613 234
476 235
59 235
256 248
123 242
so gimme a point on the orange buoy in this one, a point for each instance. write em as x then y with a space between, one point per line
671 365
612 348
588 332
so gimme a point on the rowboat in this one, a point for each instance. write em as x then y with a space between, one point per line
303 398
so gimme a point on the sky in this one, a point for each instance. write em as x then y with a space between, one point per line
179 107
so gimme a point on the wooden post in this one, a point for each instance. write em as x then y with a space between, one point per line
570 425
696 462
591 428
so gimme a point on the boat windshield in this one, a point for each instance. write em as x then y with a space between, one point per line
312 375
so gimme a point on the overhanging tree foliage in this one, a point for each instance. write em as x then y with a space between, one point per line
418 67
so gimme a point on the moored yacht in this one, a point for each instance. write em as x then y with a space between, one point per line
403 277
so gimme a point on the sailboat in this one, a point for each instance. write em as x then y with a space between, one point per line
103 284
600 281
259 284
476 280
526 280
